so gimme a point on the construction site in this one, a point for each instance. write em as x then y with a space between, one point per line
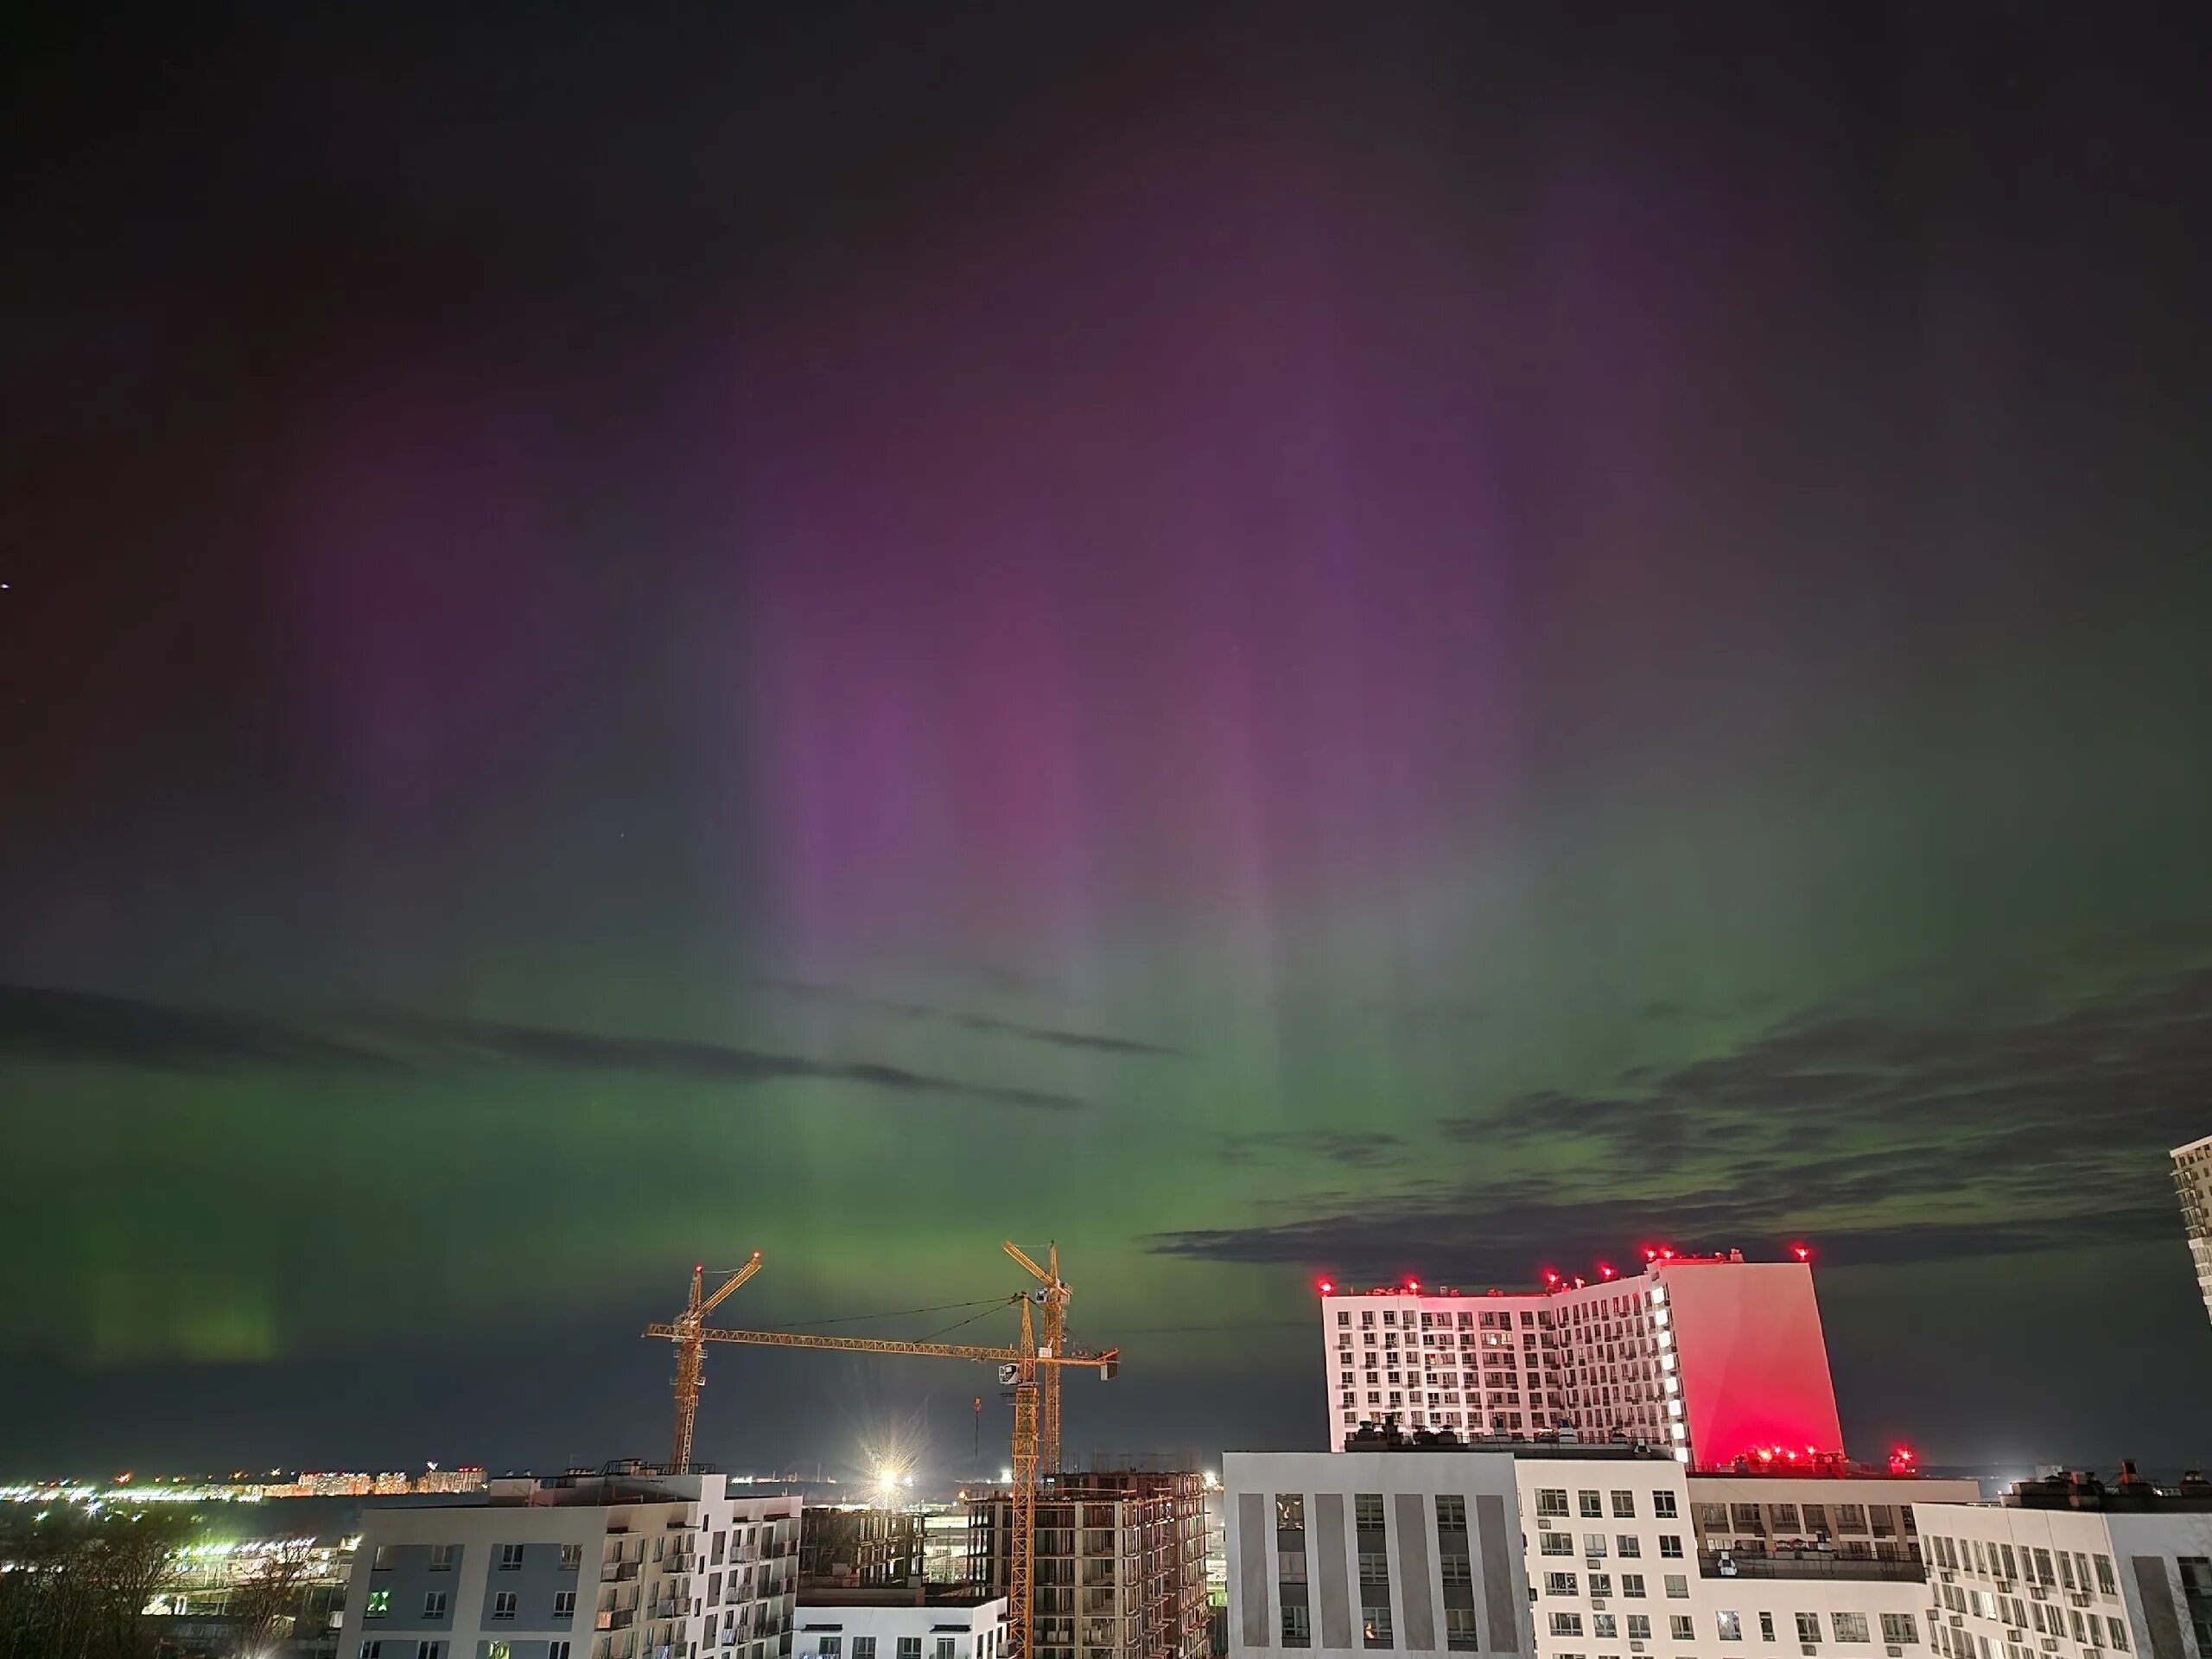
1103 1563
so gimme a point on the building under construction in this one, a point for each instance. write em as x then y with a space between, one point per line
1120 1563
859 1548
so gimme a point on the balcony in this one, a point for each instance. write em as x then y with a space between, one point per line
1807 1564
617 1618
618 1572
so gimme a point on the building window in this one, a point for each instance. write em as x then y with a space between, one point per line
442 1557
379 1605
1592 1506
1766 1627
499 1650
1297 1625
831 1646
510 1557
1557 1543
1604 1627
1551 1501
1567 1624
2106 1585
1680 1627
2119 1635
1374 1566
1670 1546
1897 1629
1628 1544
910 1647
1452 1512
1460 1635
385 1556
1562 1584
433 1605
863 1646
1367 1512
1632 1586
1662 1506
556 1650
1639 1627
429 1650
572 1556
1678 1587
1850 1627
371 1651
1625 1506
1730 1623
1374 1626
1601 1584
503 1605
1808 1627
564 1603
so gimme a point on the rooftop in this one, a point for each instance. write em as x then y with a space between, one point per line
812 1596
1371 1438
2130 1493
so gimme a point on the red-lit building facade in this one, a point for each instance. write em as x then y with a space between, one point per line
1719 1358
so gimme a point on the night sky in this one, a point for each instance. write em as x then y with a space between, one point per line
1361 639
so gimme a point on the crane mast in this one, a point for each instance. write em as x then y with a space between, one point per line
691 1355
1032 1369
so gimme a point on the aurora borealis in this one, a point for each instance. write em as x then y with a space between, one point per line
1260 640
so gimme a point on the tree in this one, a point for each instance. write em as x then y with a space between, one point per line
79 1585
267 1603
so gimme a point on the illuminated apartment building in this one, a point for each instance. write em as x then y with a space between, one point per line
2193 1185
1713 1357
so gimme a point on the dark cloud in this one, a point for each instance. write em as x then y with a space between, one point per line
697 1062
1358 1150
1897 1138
894 1008
83 1027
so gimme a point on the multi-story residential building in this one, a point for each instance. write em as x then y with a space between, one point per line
1120 1563
943 1622
1346 1552
1715 1357
2072 1568
629 1565
858 1547
2193 1185
1614 1550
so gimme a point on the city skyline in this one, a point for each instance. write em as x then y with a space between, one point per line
1267 642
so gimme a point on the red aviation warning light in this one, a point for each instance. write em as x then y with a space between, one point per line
1327 1289
1413 1284
1605 1270
1802 1252
1903 1462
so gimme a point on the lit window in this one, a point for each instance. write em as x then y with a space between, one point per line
1730 1623
379 1605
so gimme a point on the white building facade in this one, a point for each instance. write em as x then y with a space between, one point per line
1715 1357
1603 1546
2021 1581
2193 1187
1366 1552
585 1567
901 1625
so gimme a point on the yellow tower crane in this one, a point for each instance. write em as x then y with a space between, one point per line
1056 1295
691 1354
1019 1368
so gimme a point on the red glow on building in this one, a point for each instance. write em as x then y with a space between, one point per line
1802 1252
1604 1271
1327 1289
1903 1462
1754 1364
1413 1284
